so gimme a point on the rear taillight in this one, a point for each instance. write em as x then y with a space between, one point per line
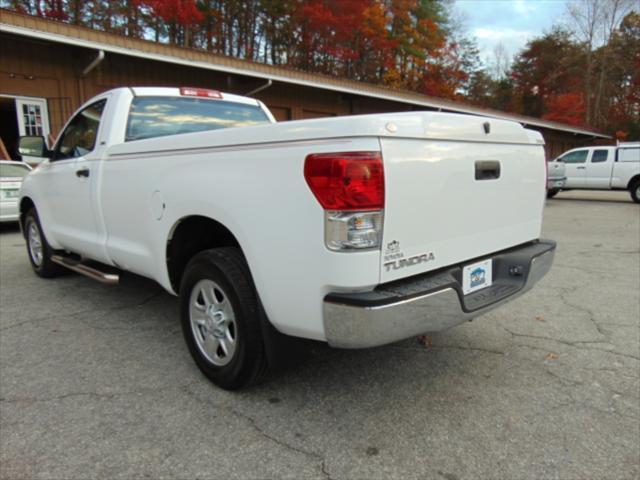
200 92
350 188
346 181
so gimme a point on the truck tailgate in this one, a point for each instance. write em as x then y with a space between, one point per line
556 170
452 200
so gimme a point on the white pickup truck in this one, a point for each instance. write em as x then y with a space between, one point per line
356 231
601 168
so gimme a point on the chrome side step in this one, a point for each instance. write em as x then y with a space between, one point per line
76 266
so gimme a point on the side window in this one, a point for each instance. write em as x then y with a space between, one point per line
79 138
579 156
629 154
599 156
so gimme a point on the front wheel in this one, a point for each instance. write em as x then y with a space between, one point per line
634 190
552 192
38 248
220 318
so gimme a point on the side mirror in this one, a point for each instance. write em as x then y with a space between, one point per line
33 147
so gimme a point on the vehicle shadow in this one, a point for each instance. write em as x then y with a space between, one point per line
562 198
9 227
303 367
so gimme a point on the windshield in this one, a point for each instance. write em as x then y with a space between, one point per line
13 171
151 117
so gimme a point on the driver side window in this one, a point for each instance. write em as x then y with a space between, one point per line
579 156
79 138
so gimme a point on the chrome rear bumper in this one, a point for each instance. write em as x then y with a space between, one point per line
557 182
430 302
9 211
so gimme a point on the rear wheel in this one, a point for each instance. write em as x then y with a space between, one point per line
220 318
38 248
552 192
634 190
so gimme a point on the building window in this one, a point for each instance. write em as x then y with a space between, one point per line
32 116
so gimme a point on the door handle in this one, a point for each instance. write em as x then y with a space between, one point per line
581 168
83 172
487 170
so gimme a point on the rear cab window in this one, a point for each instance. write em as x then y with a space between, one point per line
157 116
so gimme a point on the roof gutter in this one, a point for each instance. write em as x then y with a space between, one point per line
94 64
260 88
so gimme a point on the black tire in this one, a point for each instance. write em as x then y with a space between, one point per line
634 191
552 192
226 269
41 264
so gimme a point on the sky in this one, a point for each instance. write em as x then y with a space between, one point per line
511 22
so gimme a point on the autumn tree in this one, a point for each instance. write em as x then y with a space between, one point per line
548 68
593 23
486 91
621 89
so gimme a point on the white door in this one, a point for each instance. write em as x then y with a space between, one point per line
71 182
575 164
599 168
33 119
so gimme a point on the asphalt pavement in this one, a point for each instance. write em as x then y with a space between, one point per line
96 381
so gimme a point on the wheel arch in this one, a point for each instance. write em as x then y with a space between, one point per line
26 204
189 236
633 180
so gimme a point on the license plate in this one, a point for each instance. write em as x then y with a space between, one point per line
11 193
477 276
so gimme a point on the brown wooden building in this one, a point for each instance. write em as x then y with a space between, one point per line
48 69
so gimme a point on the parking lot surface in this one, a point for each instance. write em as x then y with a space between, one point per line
96 381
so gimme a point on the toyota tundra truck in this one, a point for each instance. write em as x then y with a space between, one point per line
356 231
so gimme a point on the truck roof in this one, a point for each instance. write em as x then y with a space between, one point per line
602 147
177 92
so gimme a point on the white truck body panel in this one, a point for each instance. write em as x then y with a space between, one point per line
251 180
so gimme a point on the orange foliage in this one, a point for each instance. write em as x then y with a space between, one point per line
565 108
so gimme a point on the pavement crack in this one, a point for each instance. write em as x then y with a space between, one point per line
613 252
580 345
582 269
282 443
625 355
258 429
583 309
325 471
83 394
42 319
82 313
446 347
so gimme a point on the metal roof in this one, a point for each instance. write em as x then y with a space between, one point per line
53 31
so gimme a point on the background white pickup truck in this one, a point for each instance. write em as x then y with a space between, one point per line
357 231
601 168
